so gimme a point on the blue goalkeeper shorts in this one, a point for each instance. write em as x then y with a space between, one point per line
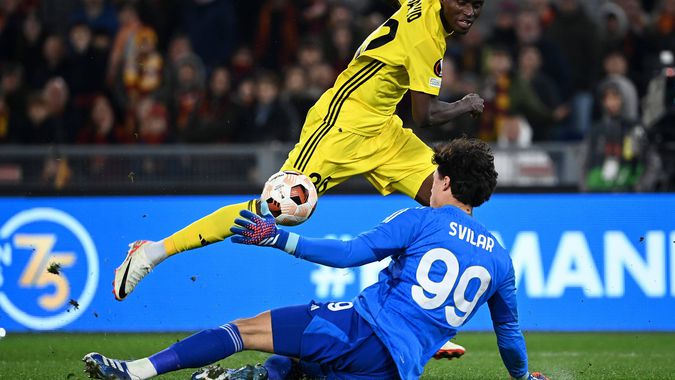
331 340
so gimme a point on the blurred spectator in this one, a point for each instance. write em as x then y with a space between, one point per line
101 126
553 63
129 24
515 133
56 172
153 121
244 107
277 34
242 63
162 16
518 166
506 93
13 95
85 67
503 30
544 11
142 73
211 26
617 156
321 78
617 35
615 68
296 92
342 47
40 128
310 54
187 95
97 14
29 48
216 119
56 14
576 34
313 16
529 71
614 27
61 113
54 54
180 51
661 36
340 39
272 120
468 51
10 28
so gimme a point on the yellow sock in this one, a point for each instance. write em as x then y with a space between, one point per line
212 228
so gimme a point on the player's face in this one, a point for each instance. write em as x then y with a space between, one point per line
461 14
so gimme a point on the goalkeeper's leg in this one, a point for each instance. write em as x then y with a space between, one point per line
143 255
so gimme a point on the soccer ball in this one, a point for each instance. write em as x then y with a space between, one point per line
290 196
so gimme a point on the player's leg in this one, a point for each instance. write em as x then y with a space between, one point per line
144 255
198 350
403 163
423 195
279 331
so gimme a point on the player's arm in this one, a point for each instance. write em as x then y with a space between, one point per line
428 110
510 340
376 244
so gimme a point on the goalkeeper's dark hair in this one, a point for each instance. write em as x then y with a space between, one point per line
471 167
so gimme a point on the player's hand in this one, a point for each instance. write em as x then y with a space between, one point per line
474 104
252 229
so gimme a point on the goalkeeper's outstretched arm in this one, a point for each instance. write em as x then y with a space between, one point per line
510 340
256 230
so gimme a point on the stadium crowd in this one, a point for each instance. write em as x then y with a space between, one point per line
206 71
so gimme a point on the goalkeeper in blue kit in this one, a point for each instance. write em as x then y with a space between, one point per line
444 266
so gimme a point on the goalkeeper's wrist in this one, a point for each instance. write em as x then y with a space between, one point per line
287 241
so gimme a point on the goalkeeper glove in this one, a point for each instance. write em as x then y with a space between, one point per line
262 231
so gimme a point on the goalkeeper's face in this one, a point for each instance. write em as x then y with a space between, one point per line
460 15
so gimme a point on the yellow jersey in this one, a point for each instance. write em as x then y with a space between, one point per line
403 53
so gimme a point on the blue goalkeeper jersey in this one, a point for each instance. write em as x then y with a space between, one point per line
444 266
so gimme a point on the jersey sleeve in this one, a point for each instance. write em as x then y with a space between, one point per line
424 67
388 238
504 313
503 305
394 234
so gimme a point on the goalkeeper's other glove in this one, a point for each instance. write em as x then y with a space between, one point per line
252 229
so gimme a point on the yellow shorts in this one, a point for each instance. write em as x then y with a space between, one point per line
395 160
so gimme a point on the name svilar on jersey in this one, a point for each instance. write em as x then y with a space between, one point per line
414 10
470 236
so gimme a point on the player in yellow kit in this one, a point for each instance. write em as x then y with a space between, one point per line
353 129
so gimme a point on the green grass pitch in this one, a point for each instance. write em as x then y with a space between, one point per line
559 355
